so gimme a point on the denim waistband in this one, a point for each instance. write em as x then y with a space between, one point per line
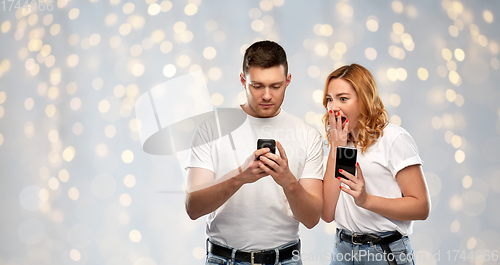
276 248
381 234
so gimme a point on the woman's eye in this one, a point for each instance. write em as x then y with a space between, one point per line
328 99
343 98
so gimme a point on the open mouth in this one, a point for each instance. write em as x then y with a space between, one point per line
343 120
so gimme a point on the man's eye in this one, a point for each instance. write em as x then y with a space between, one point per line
256 86
276 87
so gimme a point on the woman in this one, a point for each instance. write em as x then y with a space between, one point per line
375 208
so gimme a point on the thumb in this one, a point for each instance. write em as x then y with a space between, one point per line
359 173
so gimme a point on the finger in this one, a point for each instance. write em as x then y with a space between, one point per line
349 183
256 166
348 191
359 173
256 169
275 158
269 162
343 180
261 152
265 169
281 150
348 175
331 119
338 121
346 126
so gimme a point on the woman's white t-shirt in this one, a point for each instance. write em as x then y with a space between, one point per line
380 164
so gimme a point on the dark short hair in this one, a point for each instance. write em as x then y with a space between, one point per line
264 54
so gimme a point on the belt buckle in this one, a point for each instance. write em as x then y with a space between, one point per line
252 257
358 236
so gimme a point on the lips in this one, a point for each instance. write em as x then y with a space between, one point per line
266 105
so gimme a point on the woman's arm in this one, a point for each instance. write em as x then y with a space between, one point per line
414 205
331 189
338 137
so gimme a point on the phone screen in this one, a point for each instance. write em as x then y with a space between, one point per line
345 160
269 143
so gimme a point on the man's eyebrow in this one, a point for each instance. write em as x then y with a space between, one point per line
260 83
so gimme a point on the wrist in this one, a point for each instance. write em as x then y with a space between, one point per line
333 151
291 186
367 202
237 181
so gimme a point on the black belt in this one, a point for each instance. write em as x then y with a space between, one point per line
255 257
363 239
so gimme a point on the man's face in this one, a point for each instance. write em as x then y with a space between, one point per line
265 90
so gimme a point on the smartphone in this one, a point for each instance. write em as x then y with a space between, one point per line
345 160
269 143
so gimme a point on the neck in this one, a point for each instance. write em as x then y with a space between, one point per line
248 110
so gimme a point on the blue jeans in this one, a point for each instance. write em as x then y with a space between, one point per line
215 260
353 254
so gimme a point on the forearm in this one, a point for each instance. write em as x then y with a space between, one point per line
209 199
331 190
401 209
305 206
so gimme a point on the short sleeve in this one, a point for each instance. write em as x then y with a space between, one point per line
200 153
403 153
313 167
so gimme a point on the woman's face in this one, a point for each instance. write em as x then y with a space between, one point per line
343 99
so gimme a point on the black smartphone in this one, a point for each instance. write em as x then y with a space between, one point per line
345 160
269 143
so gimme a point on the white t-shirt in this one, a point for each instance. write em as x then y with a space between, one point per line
380 163
258 215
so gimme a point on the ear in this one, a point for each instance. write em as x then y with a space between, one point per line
243 80
288 79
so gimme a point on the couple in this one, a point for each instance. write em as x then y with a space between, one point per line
254 208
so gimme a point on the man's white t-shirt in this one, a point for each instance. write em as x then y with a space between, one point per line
380 163
258 215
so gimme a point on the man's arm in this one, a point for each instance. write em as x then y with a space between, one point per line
201 201
204 195
305 199
305 196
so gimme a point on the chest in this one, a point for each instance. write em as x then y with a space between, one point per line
232 150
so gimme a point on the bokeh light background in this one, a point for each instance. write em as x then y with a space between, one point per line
76 187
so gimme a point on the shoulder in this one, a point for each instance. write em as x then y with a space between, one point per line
393 132
221 117
300 124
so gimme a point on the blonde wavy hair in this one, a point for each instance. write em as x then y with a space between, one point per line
372 115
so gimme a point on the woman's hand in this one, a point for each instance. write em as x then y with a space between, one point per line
338 135
356 186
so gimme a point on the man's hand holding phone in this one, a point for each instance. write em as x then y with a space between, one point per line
277 166
250 170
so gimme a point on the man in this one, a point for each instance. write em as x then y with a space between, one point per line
255 208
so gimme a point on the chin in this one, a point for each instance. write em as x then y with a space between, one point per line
268 113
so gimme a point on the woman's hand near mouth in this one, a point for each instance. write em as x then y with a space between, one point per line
339 130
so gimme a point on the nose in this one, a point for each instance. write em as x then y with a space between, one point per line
333 106
266 94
